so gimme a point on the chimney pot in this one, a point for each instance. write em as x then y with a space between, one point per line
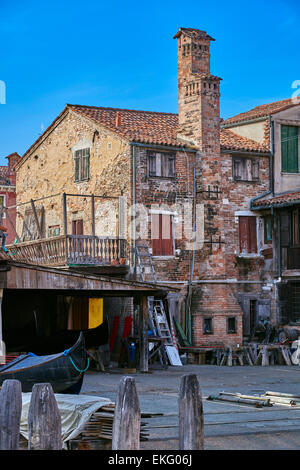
118 119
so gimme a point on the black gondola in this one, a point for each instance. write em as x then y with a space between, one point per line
64 371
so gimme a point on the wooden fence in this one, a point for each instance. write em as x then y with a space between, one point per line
44 421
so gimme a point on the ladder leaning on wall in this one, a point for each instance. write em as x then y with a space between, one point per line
157 314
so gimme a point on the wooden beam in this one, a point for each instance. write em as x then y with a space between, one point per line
65 214
93 214
36 218
11 224
143 334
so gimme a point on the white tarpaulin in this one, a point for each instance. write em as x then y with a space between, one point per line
75 411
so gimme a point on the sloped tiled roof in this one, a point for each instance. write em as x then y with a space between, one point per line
147 127
157 128
138 126
278 200
232 141
261 111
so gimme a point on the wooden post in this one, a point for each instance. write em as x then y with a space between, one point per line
191 436
10 414
2 344
65 213
36 219
143 334
127 417
44 421
93 214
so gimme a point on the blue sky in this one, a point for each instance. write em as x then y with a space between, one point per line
122 54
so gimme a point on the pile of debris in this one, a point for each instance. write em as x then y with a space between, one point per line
267 399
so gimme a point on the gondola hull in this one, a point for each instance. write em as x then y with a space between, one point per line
64 371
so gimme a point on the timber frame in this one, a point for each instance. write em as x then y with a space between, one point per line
20 276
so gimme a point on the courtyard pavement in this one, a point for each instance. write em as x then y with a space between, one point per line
226 426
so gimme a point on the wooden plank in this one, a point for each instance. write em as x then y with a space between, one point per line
36 218
10 414
127 417
44 421
191 435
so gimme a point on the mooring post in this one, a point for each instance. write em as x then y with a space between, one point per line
10 414
44 420
127 417
191 436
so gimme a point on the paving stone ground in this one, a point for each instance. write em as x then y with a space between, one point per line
226 426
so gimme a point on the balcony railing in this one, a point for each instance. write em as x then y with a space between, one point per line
67 250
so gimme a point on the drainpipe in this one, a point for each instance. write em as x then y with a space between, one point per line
134 204
271 166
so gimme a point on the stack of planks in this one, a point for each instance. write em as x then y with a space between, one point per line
97 432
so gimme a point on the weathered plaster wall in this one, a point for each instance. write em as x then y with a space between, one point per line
49 170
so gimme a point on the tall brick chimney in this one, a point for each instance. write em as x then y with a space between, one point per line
198 91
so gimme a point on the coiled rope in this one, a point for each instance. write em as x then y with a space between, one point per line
67 353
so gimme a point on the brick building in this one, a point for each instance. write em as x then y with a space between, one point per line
8 195
187 182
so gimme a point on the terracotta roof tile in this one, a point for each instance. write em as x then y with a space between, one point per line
278 200
261 111
146 127
157 128
138 126
232 141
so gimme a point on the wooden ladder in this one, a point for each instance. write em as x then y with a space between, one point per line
144 259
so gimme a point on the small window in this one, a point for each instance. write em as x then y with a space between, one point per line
208 326
2 205
245 169
161 164
268 227
82 164
231 325
53 231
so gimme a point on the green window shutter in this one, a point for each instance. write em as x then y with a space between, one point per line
289 149
77 164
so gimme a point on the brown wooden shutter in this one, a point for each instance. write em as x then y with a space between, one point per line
237 169
285 229
255 169
252 235
161 232
156 234
166 235
247 230
77 227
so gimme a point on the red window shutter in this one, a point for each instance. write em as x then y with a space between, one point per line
247 229
77 227
161 233
167 239
156 234
252 235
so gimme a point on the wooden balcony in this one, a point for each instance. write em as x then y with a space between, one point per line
71 250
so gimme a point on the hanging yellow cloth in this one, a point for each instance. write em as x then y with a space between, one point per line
95 312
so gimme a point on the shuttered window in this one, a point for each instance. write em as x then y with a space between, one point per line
161 164
289 149
247 229
245 169
82 164
162 235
